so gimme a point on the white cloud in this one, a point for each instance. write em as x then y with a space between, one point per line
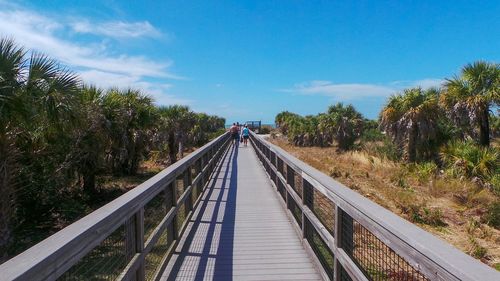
426 83
108 80
96 61
37 32
116 29
350 91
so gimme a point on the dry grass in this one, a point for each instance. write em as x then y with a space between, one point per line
459 204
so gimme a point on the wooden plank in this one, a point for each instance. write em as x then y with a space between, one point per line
240 229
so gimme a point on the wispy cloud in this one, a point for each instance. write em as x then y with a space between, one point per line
116 29
157 90
350 91
99 62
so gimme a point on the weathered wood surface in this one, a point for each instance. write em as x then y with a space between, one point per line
240 231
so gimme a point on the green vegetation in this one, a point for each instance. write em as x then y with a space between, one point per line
342 124
449 129
61 140
433 156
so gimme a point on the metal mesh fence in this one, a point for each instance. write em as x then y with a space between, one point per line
295 210
323 253
181 216
298 184
282 190
343 275
280 165
377 260
154 211
180 186
105 262
322 207
290 176
154 258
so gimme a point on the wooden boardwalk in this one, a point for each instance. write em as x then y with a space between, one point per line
240 231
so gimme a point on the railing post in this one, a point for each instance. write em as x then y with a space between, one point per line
134 240
172 228
187 183
139 238
337 236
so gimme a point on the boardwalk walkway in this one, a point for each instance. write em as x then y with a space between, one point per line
240 231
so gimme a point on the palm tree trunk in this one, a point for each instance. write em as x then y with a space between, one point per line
89 183
181 146
412 144
172 151
181 149
484 128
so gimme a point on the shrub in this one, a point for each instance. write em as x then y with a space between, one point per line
495 184
372 134
419 213
470 160
424 171
385 149
493 215
476 250
265 129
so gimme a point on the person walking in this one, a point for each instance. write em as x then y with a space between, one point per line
238 125
245 134
234 131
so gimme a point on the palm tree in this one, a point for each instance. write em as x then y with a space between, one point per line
468 98
132 116
411 120
90 138
342 123
283 120
180 121
11 67
36 98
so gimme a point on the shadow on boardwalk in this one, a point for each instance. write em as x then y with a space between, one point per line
216 205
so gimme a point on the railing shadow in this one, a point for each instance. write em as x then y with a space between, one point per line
221 268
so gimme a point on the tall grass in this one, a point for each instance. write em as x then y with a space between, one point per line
467 159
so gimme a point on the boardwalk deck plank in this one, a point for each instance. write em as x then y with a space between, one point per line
240 231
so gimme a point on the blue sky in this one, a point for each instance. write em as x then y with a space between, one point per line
249 60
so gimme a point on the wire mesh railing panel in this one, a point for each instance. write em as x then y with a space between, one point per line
377 260
343 275
180 185
154 212
290 176
298 183
154 258
322 207
320 248
199 186
273 176
104 262
280 165
273 158
181 216
282 190
295 210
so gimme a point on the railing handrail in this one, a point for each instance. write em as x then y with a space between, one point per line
425 251
57 253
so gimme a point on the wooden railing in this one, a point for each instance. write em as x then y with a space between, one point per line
352 238
132 237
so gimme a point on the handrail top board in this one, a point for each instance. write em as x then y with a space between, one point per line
96 226
449 258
